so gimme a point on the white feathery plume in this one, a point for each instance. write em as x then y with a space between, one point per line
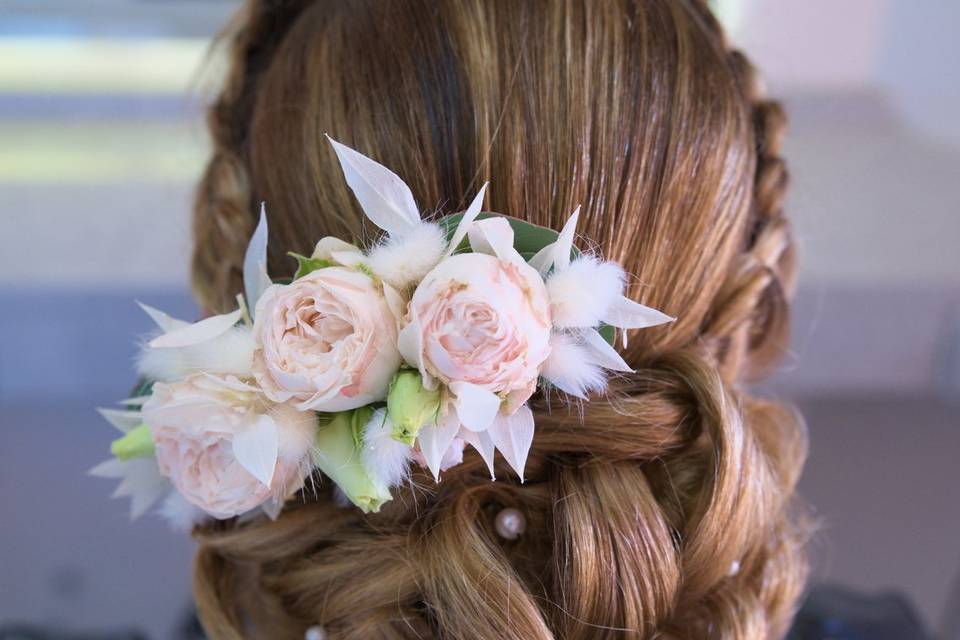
581 294
386 460
402 261
180 514
296 431
571 368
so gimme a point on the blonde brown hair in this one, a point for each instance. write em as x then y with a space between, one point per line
664 509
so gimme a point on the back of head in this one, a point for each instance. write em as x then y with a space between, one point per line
662 509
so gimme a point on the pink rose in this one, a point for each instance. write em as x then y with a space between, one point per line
227 449
481 326
327 341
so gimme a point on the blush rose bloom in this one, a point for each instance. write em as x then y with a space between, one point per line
481 326
196 425
326 341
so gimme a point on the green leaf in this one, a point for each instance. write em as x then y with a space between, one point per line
307 265
608 332
144 387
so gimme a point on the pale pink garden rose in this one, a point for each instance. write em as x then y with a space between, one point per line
326 341
481 326
224 446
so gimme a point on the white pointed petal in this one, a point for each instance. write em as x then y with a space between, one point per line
385 198
111 468
150 488
476 406
466 221
435 438
603 353
513 436
164 321
329 245
140 479
272 507
494 236
255 278
627 314
564 244
124 421
542 260
347 258
483 443
198 332
256 447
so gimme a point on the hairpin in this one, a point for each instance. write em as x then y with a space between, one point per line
369 360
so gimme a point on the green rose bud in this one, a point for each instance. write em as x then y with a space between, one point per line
136 443
337 454
410 405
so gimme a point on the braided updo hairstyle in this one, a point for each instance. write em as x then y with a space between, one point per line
663 509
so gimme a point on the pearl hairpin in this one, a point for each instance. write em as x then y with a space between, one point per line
510 523
315 632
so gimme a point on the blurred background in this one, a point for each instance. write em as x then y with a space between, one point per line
102 140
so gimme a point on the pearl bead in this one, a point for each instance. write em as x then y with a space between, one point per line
510 523
315 632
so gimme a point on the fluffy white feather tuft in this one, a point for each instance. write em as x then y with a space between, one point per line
296 431
581 294
230 352
385 459
405 260
180 514
571 368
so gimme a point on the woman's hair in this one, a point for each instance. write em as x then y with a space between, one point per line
663 509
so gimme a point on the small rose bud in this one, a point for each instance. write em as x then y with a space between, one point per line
136 443
410 405
337 454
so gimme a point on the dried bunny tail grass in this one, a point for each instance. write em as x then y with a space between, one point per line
663 509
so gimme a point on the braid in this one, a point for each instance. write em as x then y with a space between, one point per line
224 211
750 320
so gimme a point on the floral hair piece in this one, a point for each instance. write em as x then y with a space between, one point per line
369 360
